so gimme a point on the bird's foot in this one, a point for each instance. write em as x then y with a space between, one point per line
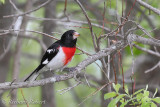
51 71
60 70
77 77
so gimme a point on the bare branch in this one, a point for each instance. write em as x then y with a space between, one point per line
77 69
15 7
73 21
89 23
69 88
154 67
6 50
30 11
148 41
33 31
147 50
65 8
157 11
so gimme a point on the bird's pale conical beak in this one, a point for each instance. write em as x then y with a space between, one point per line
75 35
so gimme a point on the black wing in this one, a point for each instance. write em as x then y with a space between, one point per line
50 53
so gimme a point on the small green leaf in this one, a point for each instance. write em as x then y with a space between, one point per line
138 91
109 95
126 89
145 104
122 100
157 99
125 103
146 93
139 96
115 101
116 87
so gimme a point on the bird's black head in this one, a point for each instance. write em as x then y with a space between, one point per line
69 38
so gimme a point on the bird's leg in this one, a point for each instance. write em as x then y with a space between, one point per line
77 78
60 70
51 71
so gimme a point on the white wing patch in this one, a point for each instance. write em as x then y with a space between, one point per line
50 50
58 61
45 62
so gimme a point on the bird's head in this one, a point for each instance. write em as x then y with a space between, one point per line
69 38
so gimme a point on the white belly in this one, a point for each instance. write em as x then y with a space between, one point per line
58 61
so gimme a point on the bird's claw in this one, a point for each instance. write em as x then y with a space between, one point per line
77 78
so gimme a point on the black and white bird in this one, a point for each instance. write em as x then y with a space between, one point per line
58 55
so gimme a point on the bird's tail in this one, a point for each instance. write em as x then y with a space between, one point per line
34 74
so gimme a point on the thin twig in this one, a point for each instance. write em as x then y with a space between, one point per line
30 11
153 68
24 98
89 23
69 88
147 50
15 7
157 11
73 21
93 93
33 31
6 50
86 79
65 8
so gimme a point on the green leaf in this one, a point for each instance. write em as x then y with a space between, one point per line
126 102
153 105
115 101
122 100
157 99
146 93
145 104
139 96
116 87
109 95
3 1
146 99
138 91
126 89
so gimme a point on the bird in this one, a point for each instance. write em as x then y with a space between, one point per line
58 55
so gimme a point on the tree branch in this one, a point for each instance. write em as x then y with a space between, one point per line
157 11
148 41
30 11
147 50
77 69
89 23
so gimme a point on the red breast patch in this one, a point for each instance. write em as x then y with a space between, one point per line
69 53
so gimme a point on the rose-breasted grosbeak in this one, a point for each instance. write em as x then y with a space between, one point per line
58 55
